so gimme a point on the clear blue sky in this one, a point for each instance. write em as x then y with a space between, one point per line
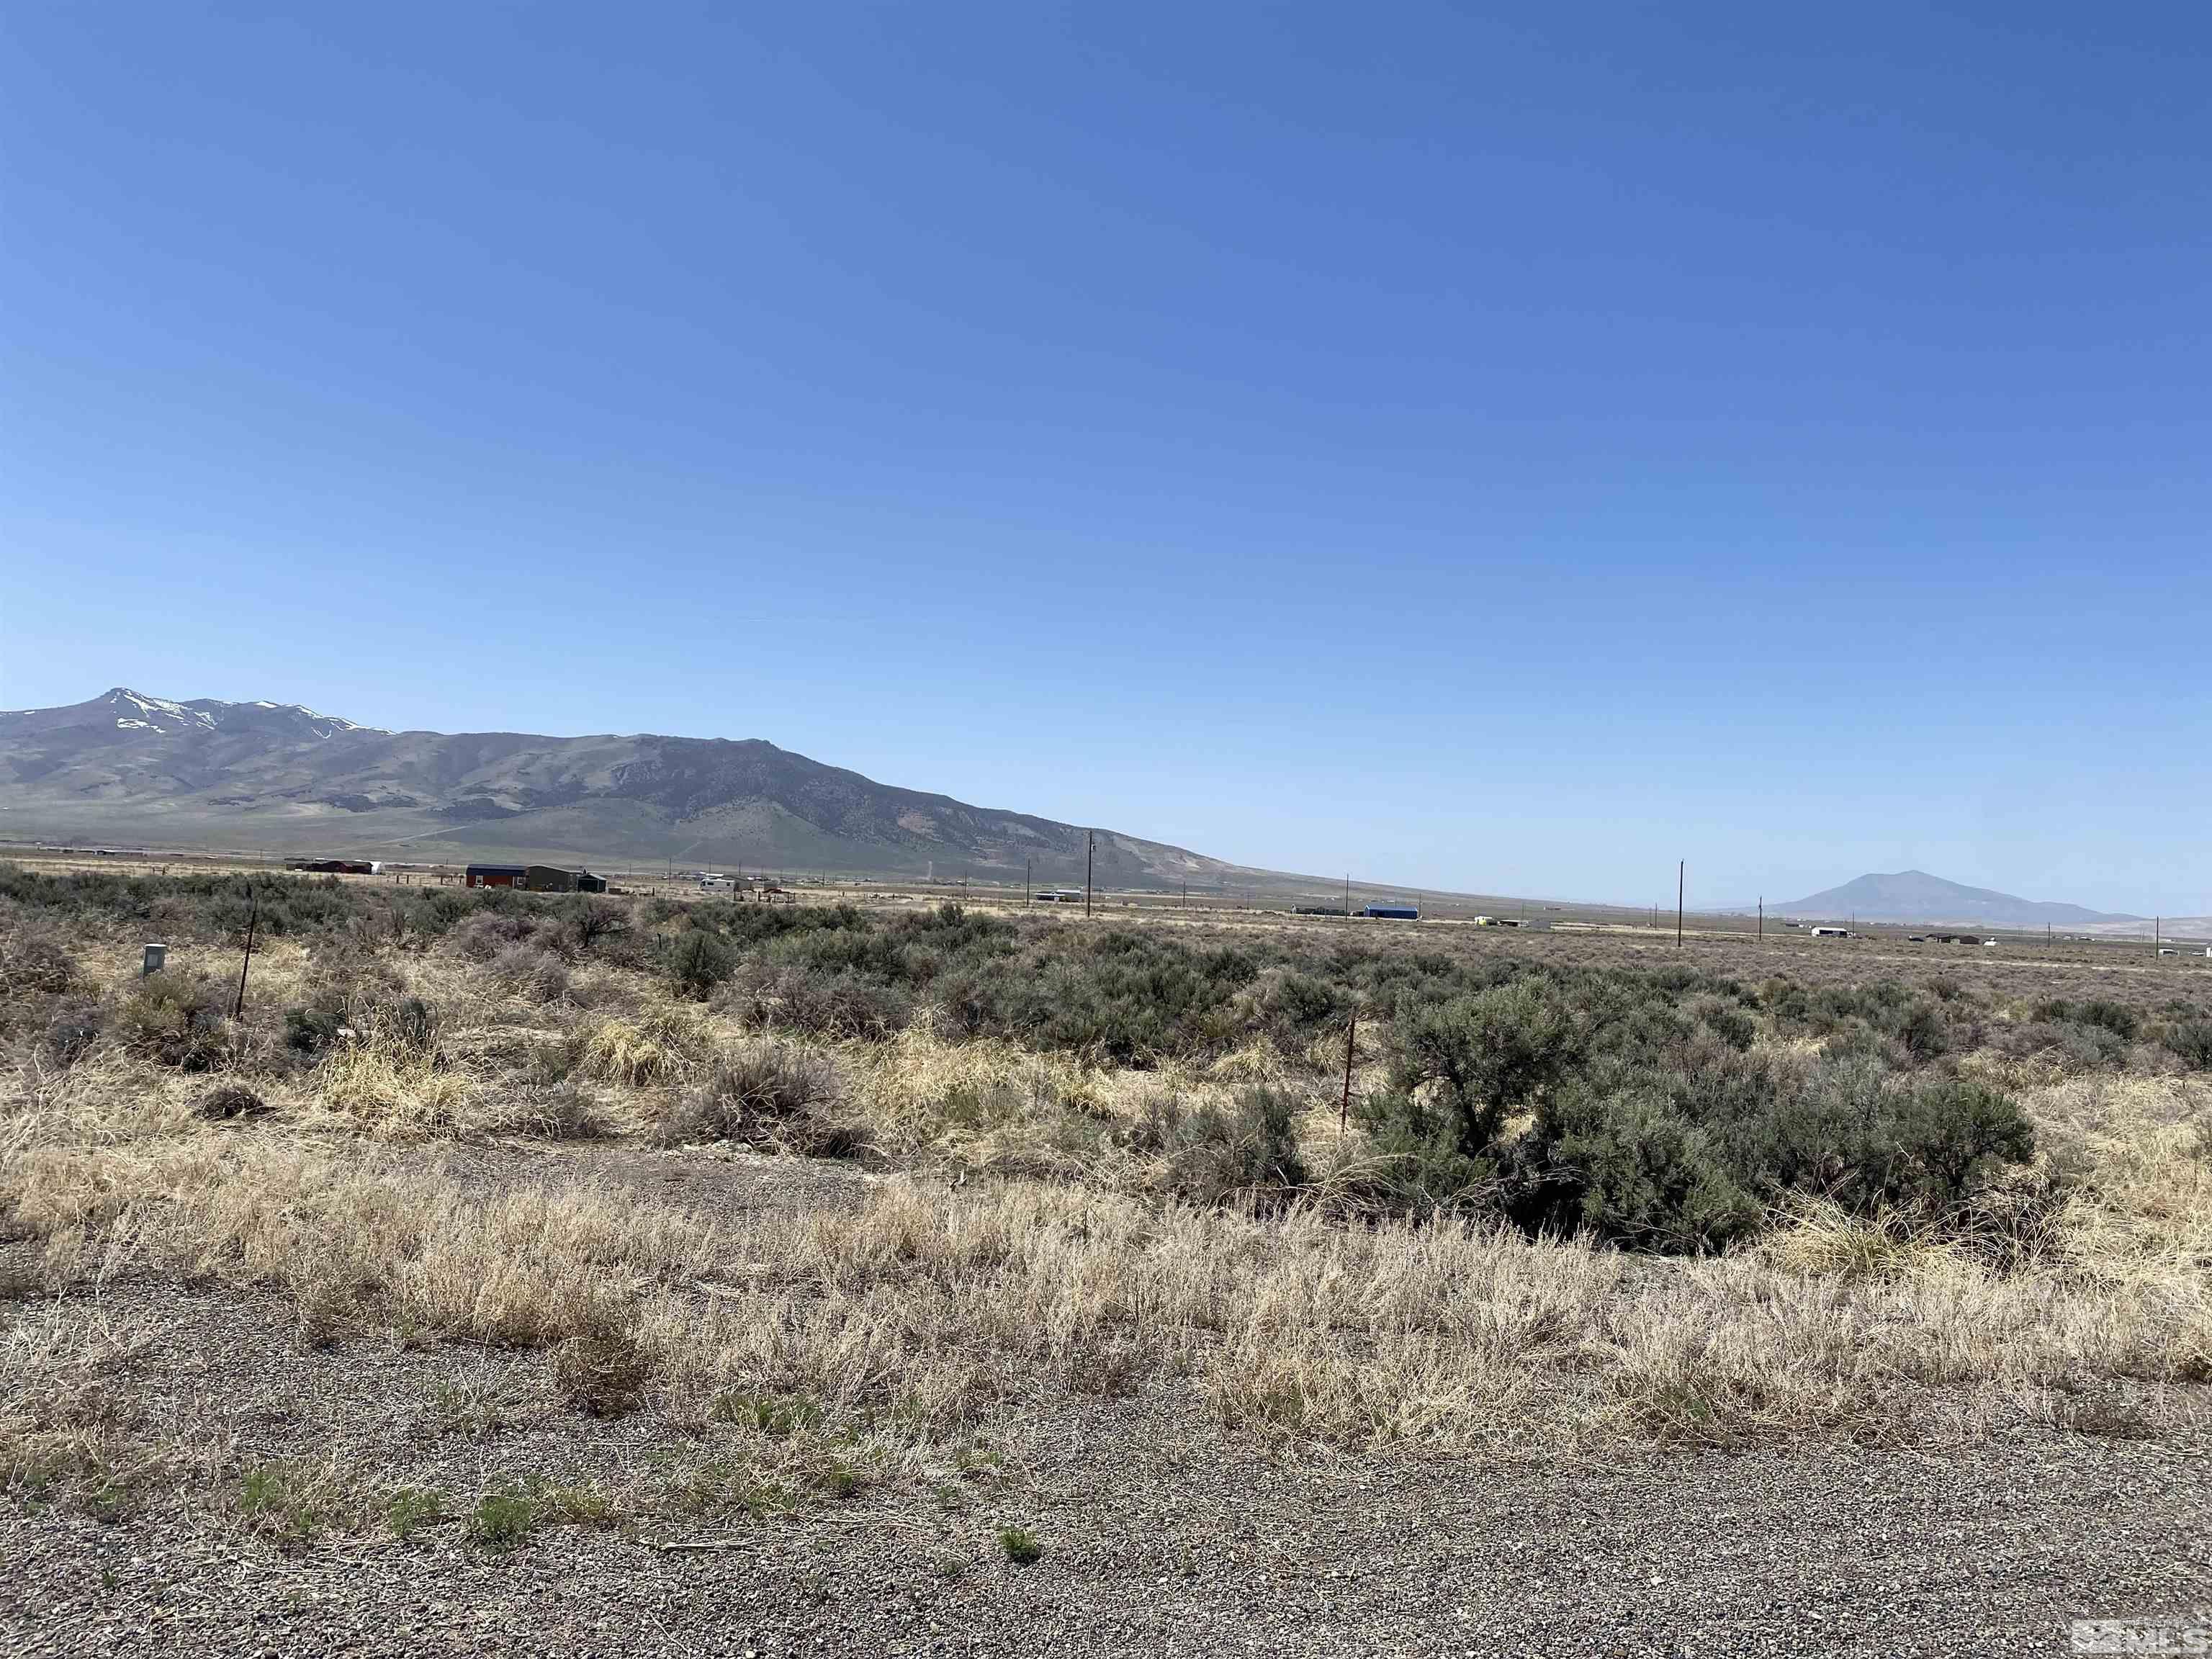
1504 450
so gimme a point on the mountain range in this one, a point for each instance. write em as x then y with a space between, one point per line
278 778
1911 896
272 777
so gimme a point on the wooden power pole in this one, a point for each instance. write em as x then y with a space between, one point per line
1680 868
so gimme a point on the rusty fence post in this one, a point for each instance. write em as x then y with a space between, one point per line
1344 1107
252 916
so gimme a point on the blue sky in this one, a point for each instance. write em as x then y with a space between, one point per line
1505 450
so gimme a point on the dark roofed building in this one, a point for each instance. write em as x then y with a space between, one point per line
536 877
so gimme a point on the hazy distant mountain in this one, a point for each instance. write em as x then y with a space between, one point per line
1916 896
276 777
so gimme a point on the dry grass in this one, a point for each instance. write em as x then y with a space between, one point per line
2145 1216
618 1051
66 1429
1028 1252
926 1306
395 1089
986 1105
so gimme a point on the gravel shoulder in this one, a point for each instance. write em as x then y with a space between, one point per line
1160 1536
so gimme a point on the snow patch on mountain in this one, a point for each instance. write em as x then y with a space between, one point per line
140 711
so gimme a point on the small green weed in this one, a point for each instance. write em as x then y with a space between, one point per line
474 1407
502 1518
721 1484
575 1506
412 1508
111 1502
980 1461
781 1415
277 1495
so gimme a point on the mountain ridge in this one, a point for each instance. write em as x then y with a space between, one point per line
269 777
281 777
1912 896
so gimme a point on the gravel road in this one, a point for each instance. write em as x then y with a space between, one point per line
1165 1544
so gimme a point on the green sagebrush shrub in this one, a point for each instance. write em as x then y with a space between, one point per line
179 1019
1247 1150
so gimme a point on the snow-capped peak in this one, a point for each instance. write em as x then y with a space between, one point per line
151 705
135 711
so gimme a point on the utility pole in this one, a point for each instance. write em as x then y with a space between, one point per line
1089 841
1347 892
1681 869
1762 915
1025 881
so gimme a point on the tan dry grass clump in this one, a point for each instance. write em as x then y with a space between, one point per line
2141 1151
929 1305
393 1088
107 1098
655 1043
390 1235
986 1104
1824 1240
924 1093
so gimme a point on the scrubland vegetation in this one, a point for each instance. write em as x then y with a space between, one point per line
1582 1193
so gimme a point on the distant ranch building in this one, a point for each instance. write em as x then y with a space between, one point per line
535 878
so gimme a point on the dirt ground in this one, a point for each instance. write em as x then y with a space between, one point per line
1155 1539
